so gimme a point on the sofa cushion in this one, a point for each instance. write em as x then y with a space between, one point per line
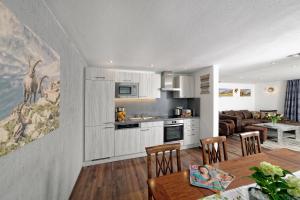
247 122
247 114
229 112
256 115
239 114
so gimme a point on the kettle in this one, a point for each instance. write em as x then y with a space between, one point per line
178 111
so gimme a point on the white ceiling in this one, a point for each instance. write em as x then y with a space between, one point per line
182 34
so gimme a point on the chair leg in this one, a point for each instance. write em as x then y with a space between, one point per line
149 194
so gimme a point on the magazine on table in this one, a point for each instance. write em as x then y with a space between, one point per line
206 176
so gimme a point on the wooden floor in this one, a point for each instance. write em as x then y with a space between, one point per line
127 179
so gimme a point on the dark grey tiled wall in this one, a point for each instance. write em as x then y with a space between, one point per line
158 107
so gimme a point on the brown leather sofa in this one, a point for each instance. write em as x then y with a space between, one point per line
243 118
226 127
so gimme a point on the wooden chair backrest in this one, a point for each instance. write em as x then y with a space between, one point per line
250 142
213 148
163 162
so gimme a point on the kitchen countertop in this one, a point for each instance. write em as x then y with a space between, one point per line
154 119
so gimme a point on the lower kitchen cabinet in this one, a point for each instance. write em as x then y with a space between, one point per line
99 142
191 131
127 141
152 134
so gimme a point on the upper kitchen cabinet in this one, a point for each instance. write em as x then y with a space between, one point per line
97 73
145 85
186 83
99 102
126 76
149 85
156 85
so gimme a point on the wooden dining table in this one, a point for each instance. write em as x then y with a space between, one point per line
177 185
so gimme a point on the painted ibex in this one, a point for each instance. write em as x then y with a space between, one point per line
21 124
31 82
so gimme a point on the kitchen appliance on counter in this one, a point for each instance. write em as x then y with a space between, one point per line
187 113
127 90
120 114
173 131
178 111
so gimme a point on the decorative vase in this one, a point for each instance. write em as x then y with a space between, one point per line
257 194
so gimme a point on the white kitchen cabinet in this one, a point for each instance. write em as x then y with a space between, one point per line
155 85
126 76
99 102
158 135
152 134
145 85
97 73
186 84
191 131
99 142
127 141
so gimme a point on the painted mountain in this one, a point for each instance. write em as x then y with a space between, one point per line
29 84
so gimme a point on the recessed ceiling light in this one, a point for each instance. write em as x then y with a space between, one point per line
273 63
151 65
294 55
110 61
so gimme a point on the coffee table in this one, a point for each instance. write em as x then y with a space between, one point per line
281 128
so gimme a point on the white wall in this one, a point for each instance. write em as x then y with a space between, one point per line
270 101
209 115
236 102
48 167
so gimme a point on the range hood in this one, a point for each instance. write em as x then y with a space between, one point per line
167 81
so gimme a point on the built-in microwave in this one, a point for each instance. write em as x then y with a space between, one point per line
127 90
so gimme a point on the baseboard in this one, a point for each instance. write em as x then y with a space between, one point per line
131 156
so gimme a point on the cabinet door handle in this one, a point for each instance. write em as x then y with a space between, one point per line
102 77
108 123
108 127
145 129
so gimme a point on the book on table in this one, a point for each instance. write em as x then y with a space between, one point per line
206 176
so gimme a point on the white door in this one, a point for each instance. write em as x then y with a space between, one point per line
99 102
99 142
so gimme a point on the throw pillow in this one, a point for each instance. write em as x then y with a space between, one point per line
239 114
247 114
265 113
256 115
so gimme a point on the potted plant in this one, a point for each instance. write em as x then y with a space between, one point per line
274 117
274 183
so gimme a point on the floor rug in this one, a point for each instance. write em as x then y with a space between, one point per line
288 141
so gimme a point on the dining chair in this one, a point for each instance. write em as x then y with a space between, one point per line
213 148
163 160
250 142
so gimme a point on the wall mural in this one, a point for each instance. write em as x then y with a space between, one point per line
245 92
225 92
29 84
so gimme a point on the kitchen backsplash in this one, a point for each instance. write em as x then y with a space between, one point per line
158 107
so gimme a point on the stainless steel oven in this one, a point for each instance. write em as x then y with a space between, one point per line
173 130
127 90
